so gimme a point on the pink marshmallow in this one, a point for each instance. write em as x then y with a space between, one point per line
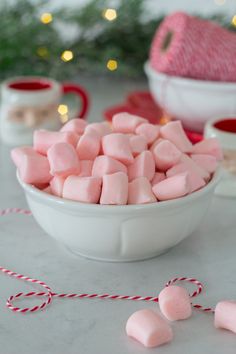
101 129
126 123
195 180
195 167
86 168
56 185
82 189
173 131
63 160
88 146
175 304
140 192
148 328
158 177
114 189
138 144
18 153
156 142
225 315
44 139
207 162
166 155
210 146
149 131
118 147
172 187
76 125
34 169
105 165
143 166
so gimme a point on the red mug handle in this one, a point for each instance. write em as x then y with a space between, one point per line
78 90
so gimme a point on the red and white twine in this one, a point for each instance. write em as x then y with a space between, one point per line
49 294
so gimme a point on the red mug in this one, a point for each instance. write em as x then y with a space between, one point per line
29 103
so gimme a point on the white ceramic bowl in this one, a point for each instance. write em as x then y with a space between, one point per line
119 233
192 101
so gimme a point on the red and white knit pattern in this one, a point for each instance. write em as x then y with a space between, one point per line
50 295
198 49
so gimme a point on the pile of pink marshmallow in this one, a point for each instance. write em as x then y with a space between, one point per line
128 162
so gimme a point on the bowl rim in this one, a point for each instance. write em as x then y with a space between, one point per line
74 205
187 81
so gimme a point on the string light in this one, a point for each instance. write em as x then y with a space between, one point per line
220 2
67 55
62 109
46 18
234 21
109 14
112 65
43 52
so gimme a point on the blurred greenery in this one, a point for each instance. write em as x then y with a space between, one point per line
29 47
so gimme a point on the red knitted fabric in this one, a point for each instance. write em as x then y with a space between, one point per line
191 47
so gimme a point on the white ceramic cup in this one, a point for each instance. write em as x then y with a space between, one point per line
224 129
29 103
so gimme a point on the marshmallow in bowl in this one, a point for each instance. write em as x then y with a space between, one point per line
128 162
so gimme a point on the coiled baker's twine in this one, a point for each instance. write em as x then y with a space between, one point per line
49 294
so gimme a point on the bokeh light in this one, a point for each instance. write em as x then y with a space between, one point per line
110 14
43 52
112 65
234 21
67 55
62 109
46 18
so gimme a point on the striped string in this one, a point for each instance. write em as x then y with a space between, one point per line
49 294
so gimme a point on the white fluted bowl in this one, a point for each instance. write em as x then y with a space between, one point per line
119 233
191 101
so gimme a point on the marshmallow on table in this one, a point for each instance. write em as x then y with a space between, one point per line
114 189
225 315
149 328
105 165
143 166
76 125
195 180
166 155
63 160
44 139
138 144
126 123
210 146
18 153
34 169
174 132
174 302
56 185
140 191
207 162
88 146
172 187
158 177
86 168
82 189
101 129
149 131
118 147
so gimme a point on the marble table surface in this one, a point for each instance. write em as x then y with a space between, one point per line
97 326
